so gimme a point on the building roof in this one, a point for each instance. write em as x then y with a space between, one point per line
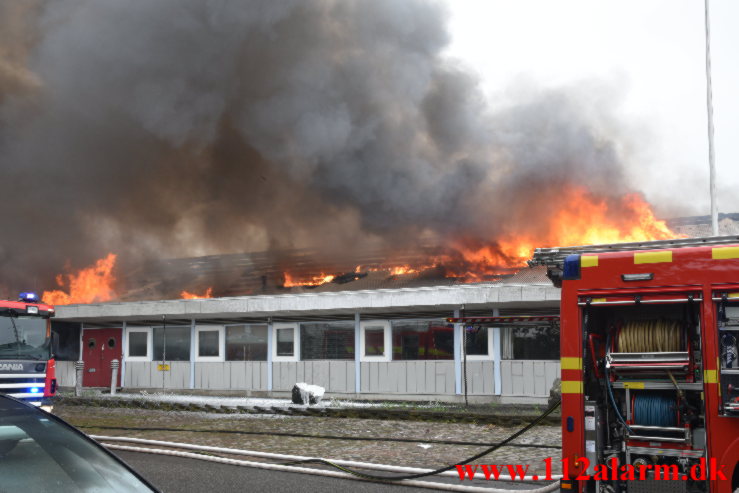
377 302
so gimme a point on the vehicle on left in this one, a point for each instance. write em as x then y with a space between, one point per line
26 360
40 452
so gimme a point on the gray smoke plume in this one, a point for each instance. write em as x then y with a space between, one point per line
191 127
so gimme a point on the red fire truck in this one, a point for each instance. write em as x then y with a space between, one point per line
650 374
26 362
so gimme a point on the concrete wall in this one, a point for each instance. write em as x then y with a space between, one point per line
65 374
144 374
408 377
231 375
334 376
528 377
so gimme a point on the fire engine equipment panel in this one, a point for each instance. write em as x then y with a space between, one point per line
649 349
642 380
728 333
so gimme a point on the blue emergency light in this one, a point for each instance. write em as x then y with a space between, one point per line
28 297
571 268
35 390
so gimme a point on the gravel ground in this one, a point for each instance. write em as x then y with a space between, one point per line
417 454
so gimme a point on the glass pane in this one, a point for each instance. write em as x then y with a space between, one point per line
23 338
137 344
285 342
477 341
327 341
422 340
246 343
535 342
374 341
177 343
208 343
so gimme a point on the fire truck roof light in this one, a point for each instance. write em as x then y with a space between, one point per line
28 297
571 267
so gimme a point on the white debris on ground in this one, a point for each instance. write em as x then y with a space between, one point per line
218 401
424 445
232 401
304 393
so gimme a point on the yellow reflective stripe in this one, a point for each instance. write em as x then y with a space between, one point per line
720 253
710 376
571 387
570 363
598 300
652 257
633 385
588 261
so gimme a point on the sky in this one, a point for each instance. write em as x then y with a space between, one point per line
649 54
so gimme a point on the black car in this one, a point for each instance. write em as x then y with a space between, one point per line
40 452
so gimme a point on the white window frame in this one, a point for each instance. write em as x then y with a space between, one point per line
387 340
221 343
479 357
225 327
149 343
296 341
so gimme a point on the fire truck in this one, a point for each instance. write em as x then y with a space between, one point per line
26 361
649 367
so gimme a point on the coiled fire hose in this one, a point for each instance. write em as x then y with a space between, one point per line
655 410
650 336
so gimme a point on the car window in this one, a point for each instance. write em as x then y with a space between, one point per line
40 453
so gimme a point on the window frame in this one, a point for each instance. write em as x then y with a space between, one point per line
221 330
149 343
387 341
225 342
296 341
478 357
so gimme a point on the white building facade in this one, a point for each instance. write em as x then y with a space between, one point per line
374 344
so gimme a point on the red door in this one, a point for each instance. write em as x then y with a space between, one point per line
99 348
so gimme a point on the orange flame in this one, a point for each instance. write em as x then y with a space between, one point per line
575 217
290 282
92 284
185 295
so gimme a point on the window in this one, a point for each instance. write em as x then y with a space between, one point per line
540 343
422 339
246 343
319 341
375 340
66 341
479 343
286 342
172 343
209 343
138 344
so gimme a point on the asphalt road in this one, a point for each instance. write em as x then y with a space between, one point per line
180 475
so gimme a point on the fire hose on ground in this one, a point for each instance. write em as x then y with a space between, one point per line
410 478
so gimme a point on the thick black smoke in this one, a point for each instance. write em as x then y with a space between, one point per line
190 127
